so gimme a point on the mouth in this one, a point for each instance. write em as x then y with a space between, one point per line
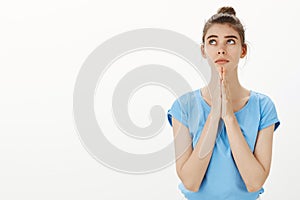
221 61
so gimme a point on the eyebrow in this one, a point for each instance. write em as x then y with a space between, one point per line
227 36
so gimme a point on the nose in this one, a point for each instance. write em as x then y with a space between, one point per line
221 51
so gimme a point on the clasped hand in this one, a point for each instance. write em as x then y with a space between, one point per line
221 100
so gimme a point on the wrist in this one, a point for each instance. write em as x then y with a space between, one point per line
214 116
229 118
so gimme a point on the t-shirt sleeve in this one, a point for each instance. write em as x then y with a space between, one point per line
268 115
178 111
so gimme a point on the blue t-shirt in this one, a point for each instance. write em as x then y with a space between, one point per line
222 180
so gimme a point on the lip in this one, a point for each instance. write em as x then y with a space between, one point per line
221 61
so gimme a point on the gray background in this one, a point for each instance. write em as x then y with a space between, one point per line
42 47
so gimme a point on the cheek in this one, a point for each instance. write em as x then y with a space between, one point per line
236 53
209 52
208 56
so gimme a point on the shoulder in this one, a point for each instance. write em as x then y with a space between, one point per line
262 99
260 95
267 109
188 98
182 107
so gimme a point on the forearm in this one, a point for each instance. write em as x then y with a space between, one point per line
194 169
249 167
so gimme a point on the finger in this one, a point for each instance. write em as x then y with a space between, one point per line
226 91
223 70
223 88
223 73
224 83
220 87
223 107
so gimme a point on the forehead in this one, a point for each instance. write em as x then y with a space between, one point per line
221 30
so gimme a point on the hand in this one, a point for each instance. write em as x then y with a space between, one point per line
227 110
216 98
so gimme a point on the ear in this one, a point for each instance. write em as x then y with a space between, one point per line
203 51
244 50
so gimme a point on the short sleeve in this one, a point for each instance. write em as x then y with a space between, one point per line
178 111
268 114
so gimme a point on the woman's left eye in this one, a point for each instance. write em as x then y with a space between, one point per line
231 41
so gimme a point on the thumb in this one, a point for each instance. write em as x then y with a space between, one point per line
223 101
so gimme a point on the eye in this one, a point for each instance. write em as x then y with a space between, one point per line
212 42
230 41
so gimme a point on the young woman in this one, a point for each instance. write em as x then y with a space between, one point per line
223 132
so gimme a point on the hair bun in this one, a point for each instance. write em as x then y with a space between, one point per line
227 10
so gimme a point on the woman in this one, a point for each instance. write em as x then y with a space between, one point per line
223 132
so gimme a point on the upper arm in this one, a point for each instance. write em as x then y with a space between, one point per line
183 143
263 148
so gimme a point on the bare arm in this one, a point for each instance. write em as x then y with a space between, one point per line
254 168
190 166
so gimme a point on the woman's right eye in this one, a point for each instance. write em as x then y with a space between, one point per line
212 42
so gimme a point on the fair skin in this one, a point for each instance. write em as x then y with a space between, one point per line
223 49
